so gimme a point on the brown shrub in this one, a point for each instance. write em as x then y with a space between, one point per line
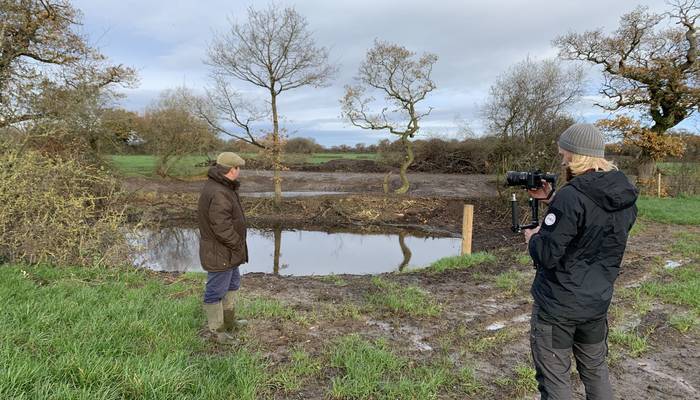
452 157
59 211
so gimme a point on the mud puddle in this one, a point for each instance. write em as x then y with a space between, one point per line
300 252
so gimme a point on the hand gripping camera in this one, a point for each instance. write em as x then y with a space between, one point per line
528 180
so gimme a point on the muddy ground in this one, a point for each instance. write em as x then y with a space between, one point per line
472 304
471 300
430 185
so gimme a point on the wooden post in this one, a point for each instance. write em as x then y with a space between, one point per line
658 184
467 224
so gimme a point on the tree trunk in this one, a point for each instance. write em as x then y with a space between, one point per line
646 166
162 167
407 163
385 185
276 152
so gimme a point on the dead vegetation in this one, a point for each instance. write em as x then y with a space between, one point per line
59 211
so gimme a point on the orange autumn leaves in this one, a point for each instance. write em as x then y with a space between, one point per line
653 145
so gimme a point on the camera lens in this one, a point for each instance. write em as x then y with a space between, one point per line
516 178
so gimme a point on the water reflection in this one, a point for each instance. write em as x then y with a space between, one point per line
300 252
405 250
278 247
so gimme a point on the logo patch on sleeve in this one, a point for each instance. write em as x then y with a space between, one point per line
550 219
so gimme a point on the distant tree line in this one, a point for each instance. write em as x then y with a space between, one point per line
58 94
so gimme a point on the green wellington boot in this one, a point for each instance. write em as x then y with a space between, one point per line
231 324
215 323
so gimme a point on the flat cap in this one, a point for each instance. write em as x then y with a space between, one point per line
229 159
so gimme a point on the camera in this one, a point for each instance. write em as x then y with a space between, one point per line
529 180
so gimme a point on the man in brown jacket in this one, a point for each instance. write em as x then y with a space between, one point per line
222 245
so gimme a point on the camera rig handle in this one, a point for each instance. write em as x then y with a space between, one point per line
534 212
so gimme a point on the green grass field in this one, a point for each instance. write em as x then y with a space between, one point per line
675 168
681 210
110 334
144 165
319 158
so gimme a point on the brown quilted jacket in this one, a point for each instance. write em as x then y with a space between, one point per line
222 224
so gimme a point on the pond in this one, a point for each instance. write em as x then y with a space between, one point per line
299 252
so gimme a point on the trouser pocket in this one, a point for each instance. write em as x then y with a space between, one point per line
552 365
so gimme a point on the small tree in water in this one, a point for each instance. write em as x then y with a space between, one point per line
404 81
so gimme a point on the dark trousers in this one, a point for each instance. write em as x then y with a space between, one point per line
218 283
552 344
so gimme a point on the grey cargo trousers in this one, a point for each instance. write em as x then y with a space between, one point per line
552 344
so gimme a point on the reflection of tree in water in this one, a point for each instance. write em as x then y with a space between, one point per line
173 248
275 236
405 250
278 246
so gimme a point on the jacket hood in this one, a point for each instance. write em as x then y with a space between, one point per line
217 172
611 191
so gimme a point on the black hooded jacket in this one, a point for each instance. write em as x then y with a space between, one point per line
579 247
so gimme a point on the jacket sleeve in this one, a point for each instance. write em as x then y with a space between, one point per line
221 219
559 228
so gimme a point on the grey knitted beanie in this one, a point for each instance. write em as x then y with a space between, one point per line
583 139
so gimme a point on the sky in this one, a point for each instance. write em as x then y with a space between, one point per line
475 41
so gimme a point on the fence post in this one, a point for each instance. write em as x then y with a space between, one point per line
467 225
658 184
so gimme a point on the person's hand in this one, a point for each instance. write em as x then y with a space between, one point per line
541 193
529 232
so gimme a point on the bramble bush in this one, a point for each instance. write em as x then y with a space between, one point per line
59 210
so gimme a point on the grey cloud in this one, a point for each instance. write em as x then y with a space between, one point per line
475 41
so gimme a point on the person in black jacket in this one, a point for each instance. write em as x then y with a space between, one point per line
577 252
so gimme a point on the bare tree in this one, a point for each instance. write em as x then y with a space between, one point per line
404 81
41 55
528 95
646 67
53 85
527 107
274 50
230 113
